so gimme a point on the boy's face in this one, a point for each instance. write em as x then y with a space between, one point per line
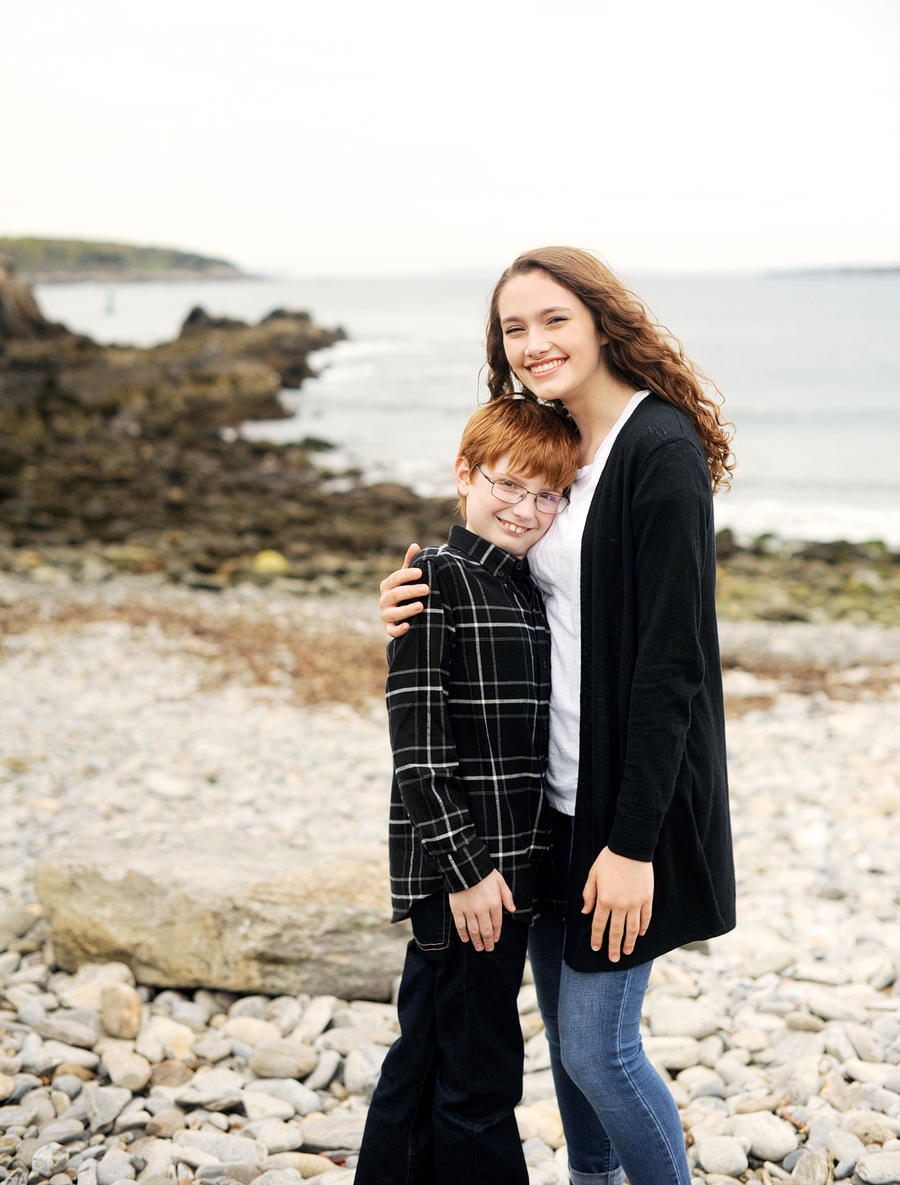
513 526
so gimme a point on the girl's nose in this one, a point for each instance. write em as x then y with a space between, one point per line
536 343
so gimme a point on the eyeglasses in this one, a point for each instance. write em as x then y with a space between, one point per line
508 491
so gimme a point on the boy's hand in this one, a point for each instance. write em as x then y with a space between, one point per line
479 911
394 588
619 891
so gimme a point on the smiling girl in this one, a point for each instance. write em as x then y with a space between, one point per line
636 777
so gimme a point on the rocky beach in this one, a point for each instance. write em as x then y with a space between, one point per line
196 970
137 723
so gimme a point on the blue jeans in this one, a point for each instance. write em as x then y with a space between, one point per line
443 1112
618 1115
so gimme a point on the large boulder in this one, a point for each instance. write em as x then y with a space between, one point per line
227 912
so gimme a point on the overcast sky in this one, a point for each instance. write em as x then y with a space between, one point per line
346 136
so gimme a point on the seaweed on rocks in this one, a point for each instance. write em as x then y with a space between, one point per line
116 447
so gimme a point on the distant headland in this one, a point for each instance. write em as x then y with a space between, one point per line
60 261
875 269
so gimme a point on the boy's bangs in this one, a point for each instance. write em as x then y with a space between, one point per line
537 440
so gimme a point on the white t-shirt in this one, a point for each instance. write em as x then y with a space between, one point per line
555 564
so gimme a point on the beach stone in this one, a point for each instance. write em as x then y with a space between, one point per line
876 1073
171 1072
872 1132
87 1172
846 1149
124 1066
254 1006
340 1129
212 1048
675 1053
166 1123
308 1164
315 1019
70 1083
723 1154
286 1176
44 1056
276 1135
213 914
61 1131
85 988
7 1086
49 1159
770 1138
224 1147
198 1159
162 1038
326 1068
68 1070
812 1168
155 1155
115 1166
879 1168
103 1103
210 1170
804 1021
258 1105
250 1030
675 1017
285 1012
67 1030
283 1058
541 1121
362 1068
212 1089
301 1098
121 1010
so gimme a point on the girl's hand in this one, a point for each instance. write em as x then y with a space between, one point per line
620 892
394 589
479 911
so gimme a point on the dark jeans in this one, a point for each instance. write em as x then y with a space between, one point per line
443 1110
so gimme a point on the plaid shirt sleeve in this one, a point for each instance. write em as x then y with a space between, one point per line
425 758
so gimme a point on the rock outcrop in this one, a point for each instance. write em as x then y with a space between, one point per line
121 445
226 912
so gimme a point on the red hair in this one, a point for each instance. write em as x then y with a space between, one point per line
537 439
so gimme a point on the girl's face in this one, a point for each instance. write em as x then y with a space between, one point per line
551 342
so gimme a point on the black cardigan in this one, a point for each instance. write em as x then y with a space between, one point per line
652 782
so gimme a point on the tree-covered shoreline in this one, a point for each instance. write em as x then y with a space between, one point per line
49 261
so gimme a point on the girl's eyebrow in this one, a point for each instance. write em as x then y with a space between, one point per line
557 308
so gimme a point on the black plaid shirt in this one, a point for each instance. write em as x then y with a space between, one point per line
468 696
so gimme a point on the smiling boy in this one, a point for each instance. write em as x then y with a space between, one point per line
468 693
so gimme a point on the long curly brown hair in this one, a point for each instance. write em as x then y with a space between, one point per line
640 352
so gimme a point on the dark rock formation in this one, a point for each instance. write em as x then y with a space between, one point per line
123 445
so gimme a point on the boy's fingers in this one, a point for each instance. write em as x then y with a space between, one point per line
459 921
412 550
506 898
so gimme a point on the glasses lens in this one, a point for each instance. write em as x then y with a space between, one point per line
551 503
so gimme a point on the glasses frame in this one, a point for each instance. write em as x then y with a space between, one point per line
563 500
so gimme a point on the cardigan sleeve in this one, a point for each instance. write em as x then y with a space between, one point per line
671 519
425 758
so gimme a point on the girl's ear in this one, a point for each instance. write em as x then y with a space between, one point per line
463 475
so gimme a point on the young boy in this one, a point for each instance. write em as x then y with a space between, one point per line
468 693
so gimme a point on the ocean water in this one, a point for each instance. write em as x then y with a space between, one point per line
809 367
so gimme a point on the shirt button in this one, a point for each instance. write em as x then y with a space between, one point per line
519 565
545 664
